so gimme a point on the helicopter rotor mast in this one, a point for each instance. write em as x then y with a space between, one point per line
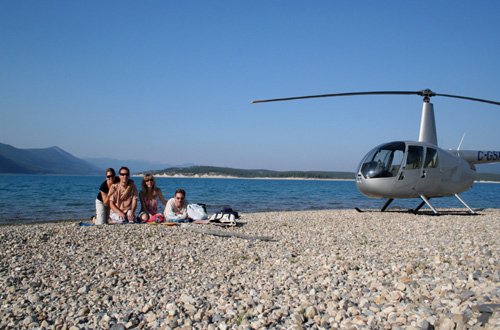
428 131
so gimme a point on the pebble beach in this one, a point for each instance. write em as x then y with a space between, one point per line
335 269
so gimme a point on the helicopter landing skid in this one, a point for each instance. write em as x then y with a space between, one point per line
467 206
425 200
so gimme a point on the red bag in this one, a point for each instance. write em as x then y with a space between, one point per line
156 218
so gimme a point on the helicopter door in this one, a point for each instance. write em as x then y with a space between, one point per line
412 171
430 177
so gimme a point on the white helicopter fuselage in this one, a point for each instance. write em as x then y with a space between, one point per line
405 169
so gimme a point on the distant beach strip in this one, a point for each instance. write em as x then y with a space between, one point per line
232 173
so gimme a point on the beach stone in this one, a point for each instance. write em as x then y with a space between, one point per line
389 310
83 311
111 273
187 299
446 323
84 289
310 312
34 298
150 317
146 308
29 320
118 326
467 294
297 318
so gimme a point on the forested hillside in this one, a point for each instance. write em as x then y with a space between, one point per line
197 171
241 173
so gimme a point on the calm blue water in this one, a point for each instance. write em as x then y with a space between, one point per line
32 198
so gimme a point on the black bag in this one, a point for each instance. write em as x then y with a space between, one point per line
228 210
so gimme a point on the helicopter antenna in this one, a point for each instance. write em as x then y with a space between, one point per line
426 93
463 137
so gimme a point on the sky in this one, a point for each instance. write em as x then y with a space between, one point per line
172 81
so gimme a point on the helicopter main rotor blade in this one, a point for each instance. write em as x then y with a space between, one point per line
338 94
426 93
469 98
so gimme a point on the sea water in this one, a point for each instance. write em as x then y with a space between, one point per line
35 198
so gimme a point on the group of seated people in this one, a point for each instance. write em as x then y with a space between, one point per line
117 200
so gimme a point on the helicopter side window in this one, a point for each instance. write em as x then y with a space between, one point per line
431 158
414 158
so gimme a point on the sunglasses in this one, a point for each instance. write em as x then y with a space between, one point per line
149 180
109 176
124 174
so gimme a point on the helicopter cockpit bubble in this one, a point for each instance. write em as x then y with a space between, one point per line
383 161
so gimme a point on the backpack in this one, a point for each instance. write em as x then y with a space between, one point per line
226 216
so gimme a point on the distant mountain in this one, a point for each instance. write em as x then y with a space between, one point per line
135 166
51 160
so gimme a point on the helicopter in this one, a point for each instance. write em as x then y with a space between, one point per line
416 169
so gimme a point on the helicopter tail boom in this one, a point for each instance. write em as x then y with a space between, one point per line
477 156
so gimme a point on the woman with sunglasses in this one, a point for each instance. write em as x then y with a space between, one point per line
149 196
102 200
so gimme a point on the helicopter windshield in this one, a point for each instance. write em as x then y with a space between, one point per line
383 161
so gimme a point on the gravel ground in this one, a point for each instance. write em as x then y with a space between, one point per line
336 269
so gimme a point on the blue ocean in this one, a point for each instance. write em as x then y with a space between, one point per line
39 198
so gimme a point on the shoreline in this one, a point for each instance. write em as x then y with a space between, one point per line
323 269
422 212
206 176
